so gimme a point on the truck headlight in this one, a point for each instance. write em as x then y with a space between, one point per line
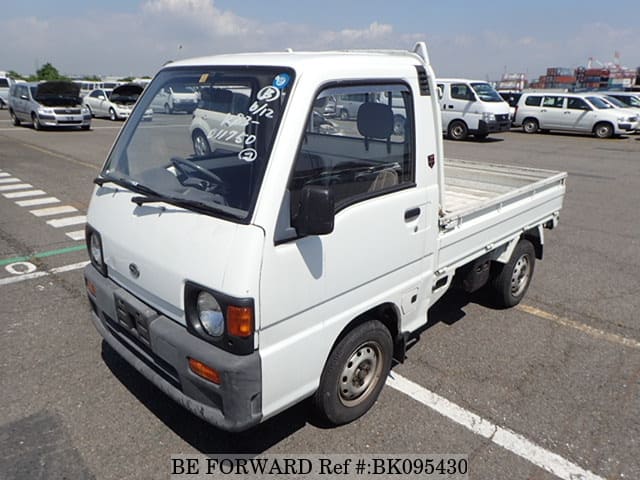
488 117
210 314
45 111
94 246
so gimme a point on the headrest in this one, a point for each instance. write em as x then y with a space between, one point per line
375 120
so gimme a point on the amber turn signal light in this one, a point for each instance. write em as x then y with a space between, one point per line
240 321
204 371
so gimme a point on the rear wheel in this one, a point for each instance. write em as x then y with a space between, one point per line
14 118
35 122
511 280
344 114
530 125
603 130
354 374
458 130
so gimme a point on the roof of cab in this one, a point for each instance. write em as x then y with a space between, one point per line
304 60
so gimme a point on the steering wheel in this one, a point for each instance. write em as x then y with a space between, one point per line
180 164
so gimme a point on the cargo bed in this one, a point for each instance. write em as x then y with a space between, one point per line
486 204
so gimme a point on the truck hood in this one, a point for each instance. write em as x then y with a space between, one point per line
169 246
58 93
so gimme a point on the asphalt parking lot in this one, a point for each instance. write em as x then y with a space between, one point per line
555 381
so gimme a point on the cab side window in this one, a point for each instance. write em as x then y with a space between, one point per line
533 101
553 102
577 104
461 91
360 158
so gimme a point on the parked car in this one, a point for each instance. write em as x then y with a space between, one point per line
48 104
115 104
578 112
471 107
614 102
5 84
512 99
221 118
175 98
631 99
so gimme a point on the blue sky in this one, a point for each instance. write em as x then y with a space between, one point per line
471 39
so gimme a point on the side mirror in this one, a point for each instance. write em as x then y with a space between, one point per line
24 97
316 213
101 97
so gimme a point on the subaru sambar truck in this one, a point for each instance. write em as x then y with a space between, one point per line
294 260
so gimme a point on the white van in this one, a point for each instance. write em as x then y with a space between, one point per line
471 107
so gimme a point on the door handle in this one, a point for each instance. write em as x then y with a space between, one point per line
543 110
567 113
411 214
451 107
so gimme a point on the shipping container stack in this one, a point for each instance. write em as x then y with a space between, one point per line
512 82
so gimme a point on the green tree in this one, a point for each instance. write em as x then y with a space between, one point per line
15 75
49 72
126 79
92 78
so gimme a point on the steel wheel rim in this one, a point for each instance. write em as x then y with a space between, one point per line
530 127
520 275
361 374
200 145
457 131
603 131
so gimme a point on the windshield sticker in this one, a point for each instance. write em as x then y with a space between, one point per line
281 81
268 94
248 155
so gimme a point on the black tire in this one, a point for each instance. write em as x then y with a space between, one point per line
201 145
14 118
354 374
458 130
530 125
510 281
344 114
112 115
603 130
35 122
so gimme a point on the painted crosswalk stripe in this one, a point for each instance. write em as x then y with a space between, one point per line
9 180
45 212
65 222
15 186
37 201
27 193
76 235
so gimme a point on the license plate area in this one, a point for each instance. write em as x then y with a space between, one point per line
134 316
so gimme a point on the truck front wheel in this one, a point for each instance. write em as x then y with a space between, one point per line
354 373
458 130
510 281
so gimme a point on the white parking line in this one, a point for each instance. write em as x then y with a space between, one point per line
28 193
37 201
76 235
44 212
17 186
9 180
29 276
65 222
503 437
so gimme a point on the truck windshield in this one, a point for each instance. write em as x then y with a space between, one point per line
486 92
207 153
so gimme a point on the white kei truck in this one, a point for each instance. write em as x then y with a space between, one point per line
289 262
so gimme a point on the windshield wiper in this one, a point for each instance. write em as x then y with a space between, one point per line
187 203
126 183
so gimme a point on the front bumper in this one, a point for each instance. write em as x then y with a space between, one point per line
159 348
628 126
48 120
494 126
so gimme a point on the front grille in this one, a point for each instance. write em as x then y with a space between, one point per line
67 111
69 122
502 118
143 352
